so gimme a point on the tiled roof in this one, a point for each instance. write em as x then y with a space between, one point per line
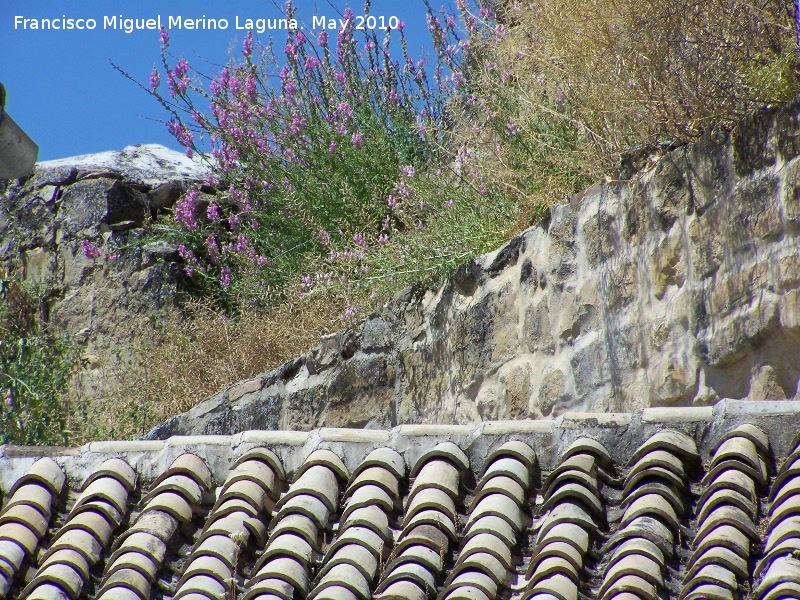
667 503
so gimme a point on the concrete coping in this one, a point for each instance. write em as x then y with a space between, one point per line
620 433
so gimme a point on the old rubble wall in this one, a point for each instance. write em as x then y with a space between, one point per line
676 288
103 199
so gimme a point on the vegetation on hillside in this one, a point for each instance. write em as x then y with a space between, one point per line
351 170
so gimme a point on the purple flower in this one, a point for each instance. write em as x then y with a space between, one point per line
184 210
225 277
213 211
324 237
357 140
155 79
89 250
358 240
322 38
164 37
409 171
247 44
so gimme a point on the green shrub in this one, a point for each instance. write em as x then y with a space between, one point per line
35 371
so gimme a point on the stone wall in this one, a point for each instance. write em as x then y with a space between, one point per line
678 287
104 200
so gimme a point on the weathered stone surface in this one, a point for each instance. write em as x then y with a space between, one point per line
105 200
680 287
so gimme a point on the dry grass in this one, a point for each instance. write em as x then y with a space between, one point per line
569 86
176 363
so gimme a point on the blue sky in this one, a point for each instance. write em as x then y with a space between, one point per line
63 91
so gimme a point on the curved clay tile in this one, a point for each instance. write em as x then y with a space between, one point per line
206 565
404 589
264 455
368 495
325 458
371 517
566 532
286 544
32 494
633 584
270 587
445 450
44 471
645 527
347 576
108 489
464 592
184 485
375 476
286 569
566 512
317 480
557 549
586 445
254 471
499 484
333 592
117 469
408 571
485 563
488 543
190 465
638 565
651 505
497 505
551 566
60 574
654 486
439 474
659 474
718 555
576 492
558 585
513 449
708 592
759 473
674 442
304 504
384 458
750 432
143 563
574 475
507 467
430 498
433 517
362 557
730 479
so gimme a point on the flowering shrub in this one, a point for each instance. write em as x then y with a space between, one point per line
315 149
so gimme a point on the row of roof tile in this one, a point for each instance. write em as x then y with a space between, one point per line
664 525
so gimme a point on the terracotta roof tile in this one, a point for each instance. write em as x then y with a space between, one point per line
536 513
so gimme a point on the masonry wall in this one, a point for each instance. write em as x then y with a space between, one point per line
678 287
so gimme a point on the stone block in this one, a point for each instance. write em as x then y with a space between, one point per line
752 142
245 387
